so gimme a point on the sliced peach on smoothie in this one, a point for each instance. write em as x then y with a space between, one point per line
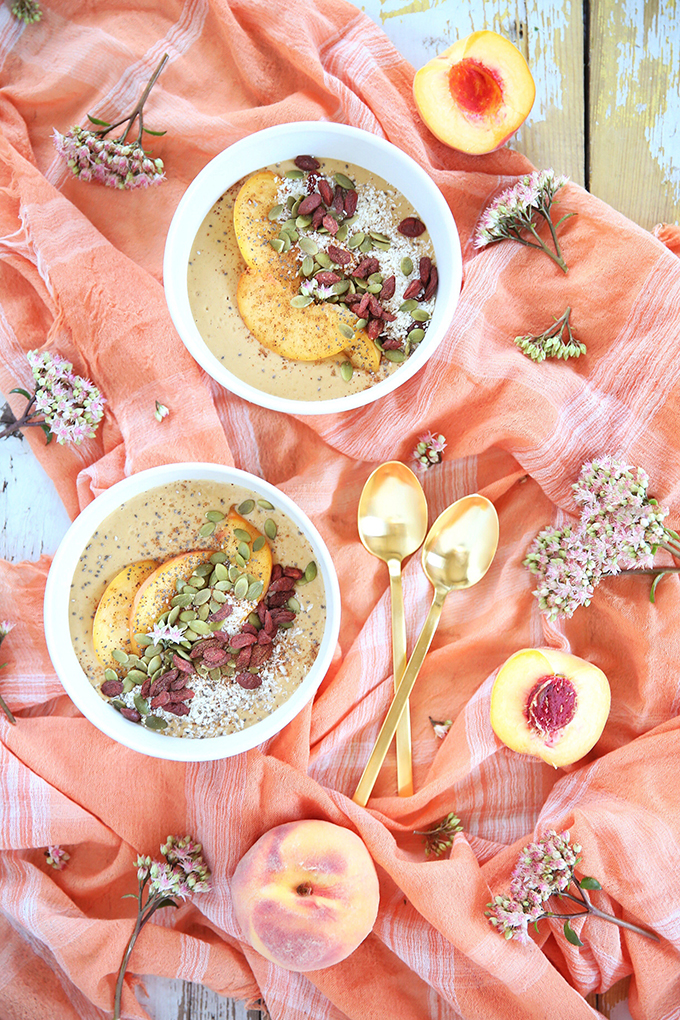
549 704
254 230
110 628
230 534
476 94
154 595
363 353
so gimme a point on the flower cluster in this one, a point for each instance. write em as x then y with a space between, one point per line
164 634
181 873
161 411
72 406
56 857
429 449
620 528
27 11
440 726
115 164
552 343
513 214
545 869
439 838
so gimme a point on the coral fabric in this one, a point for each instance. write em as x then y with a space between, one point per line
80 274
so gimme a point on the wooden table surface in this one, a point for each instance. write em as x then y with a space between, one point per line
607 113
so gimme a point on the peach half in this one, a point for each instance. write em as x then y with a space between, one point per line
476 94
306 894
549 704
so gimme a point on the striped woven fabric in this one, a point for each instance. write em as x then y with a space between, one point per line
80 273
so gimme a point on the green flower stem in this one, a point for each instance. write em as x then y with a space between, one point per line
591 909
556 256
144 912
137 112
7 711
651 571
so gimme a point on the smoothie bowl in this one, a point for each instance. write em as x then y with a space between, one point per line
312 268
191 611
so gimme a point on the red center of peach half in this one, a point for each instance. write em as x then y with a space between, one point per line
551 705
474 88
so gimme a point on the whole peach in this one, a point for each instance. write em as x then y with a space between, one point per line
306 894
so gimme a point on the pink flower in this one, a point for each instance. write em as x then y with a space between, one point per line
429 449
56 857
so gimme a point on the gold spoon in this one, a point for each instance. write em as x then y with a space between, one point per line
392 521
458 551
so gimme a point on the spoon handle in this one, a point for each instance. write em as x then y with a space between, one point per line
370 773
404 765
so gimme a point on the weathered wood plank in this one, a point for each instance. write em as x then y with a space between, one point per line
635 108
167 999
550 35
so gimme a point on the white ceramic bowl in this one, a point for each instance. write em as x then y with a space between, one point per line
76 683
329 141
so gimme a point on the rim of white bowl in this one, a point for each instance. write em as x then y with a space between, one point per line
74 679
331 141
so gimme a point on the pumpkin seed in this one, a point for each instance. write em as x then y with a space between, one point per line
154 722
258 543
286 626
406 266
289 226
141 704
110 674
204 612
366 245
215 674
118 705
202 597
265 504
128 684
270 529
323 259
345 182
294 175
382 245
206 529
149 652
137 676
119 655
244 550
307 269
246 507
420 315
254 591
277 244
377 236
296 205
204 570
238 559
143 640
234 573
396 356
416 335
242 536
302 222
375 278
199 627
352 287
155 663
361 323
351 220
187 615
307 245
290 202
173 614
218 557
220 573
287 240
346 370
310 571
254 621
346 331
408 305
223 586
241 588
293 604
343 231
251 578
219 597
356 239
341 287
361 285
374 288
215 516
197 582
301 301
275 212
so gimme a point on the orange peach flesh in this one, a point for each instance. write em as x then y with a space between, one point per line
306 894
476 94
549 704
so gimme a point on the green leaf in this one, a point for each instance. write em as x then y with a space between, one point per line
652 590
46 430
565 217
167 902
129 896
23 393
571 935
588 882
99 123
148 131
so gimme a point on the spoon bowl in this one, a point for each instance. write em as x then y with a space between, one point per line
392 521
458 551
